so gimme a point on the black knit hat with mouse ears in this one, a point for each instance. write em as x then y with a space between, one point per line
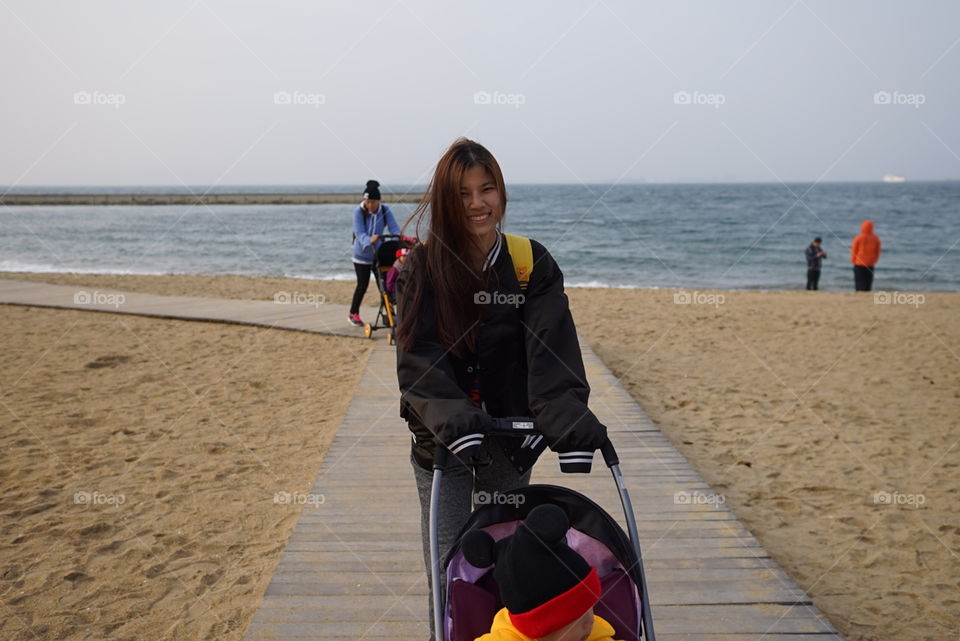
544 584
372 190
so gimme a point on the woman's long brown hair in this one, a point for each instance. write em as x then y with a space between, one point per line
443 260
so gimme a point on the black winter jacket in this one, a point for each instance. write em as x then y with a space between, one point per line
529 365
814 261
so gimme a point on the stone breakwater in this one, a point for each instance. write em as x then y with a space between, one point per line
196 199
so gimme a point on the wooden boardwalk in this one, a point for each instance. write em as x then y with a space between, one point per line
353 568
323 318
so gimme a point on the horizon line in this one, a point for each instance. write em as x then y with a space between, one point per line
517 183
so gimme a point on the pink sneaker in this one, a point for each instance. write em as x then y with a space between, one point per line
355 320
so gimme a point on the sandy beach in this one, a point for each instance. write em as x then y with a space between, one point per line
141 462
827 420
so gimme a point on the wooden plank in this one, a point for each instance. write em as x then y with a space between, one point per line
262 631
757 618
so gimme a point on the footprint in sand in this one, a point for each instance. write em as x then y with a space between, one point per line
224 626
76 577
11 573
182 553
107 361
213 577
113 546
217 448
96 529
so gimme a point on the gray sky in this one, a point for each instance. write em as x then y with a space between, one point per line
126 93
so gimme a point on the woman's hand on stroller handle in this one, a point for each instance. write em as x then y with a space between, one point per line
525 426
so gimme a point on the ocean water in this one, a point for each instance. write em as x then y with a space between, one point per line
723 236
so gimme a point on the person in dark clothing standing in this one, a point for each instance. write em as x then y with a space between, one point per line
815 256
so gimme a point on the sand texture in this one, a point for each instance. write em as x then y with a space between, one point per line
141 461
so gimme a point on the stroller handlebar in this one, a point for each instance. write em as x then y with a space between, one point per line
401 237
513 426
523 426
609 453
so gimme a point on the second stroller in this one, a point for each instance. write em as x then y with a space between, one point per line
391 250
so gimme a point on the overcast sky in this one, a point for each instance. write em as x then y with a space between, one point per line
239 92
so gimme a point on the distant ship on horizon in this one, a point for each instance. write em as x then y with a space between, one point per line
893 178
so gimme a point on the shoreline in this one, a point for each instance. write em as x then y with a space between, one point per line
77 276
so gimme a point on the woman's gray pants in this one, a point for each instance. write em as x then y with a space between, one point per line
456 486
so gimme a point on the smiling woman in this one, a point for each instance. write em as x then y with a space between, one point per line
482 200
474 343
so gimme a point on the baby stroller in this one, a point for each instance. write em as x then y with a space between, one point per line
472 598
382 262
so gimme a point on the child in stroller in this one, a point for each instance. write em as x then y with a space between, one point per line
465 604
387 262
391 280
471 598
548 589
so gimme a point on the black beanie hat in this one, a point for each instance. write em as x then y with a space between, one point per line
372 190
543 583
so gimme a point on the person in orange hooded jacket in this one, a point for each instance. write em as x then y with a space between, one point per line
864 254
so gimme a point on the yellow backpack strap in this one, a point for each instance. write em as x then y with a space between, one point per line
521 252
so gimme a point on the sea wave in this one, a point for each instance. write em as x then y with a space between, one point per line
47 268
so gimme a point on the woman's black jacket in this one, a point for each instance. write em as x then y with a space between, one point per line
529 365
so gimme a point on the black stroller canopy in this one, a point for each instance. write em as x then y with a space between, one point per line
474 598
585 516
387 252
464 609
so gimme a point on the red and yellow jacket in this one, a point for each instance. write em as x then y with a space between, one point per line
503 630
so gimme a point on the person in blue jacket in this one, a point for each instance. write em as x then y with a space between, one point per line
369 220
